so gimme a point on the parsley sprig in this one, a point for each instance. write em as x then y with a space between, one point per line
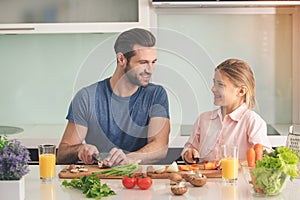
91 187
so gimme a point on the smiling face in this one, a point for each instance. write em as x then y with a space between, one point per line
226 94
141 66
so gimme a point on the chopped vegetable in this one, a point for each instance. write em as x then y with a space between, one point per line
192 167
159 168
211 165
173 167
195 167
272 170
184 167
91 187
122 170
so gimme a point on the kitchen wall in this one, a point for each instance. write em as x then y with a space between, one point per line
263 40
40 72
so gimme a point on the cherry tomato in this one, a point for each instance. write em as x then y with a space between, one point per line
144 182
139 174
128 182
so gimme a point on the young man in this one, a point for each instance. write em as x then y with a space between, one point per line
125 114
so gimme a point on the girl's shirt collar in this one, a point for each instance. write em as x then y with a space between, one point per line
235 115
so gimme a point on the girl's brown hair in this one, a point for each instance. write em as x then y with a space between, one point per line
241 75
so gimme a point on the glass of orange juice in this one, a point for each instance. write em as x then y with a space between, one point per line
229 163
47 160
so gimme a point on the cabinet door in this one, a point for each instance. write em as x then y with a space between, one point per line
65 16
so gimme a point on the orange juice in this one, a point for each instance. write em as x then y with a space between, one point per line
47 165
230 168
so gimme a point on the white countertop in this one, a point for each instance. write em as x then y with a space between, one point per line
35 189
33 135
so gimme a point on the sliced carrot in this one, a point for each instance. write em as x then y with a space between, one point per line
251 157
184 167
195 167
211 165
258 148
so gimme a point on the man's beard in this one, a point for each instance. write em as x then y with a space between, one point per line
133 78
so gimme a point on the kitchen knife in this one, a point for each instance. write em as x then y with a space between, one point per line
100 156
101 159
197 160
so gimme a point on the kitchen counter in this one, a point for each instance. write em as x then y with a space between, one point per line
35 189
33 135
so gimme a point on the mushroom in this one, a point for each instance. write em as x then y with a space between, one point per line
103 164
175 178
198 180
159 169
75 170
188 176
83 169
179 189
72 166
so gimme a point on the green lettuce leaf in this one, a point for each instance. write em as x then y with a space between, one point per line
274 168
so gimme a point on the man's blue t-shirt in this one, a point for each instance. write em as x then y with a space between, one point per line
114 121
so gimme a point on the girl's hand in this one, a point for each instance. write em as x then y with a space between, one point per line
191 156
85 153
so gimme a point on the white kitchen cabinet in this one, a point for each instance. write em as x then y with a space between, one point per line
221 3
76 16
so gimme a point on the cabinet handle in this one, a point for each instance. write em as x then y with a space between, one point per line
18 29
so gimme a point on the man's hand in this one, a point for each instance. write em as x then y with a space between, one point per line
118 157
85 153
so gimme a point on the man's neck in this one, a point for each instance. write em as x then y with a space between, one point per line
121 86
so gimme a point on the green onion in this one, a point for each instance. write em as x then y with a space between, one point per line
122 170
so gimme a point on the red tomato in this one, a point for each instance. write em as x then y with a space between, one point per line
139 174
144 182
128 182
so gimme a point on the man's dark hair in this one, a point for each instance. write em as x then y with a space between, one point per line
137 36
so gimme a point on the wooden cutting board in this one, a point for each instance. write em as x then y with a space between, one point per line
67 174
165 175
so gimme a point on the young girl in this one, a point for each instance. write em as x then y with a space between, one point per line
234 123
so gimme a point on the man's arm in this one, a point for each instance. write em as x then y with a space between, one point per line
71 149
158 140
